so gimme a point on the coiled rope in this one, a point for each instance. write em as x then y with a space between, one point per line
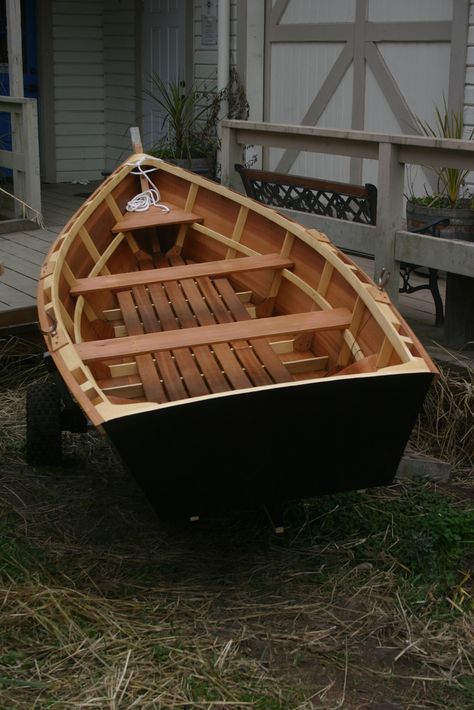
148 198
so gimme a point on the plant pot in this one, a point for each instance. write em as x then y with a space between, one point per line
461 221
196 165
459 300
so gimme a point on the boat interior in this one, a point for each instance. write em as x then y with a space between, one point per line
210 295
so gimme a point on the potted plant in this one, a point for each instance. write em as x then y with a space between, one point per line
451 200
189 121
453 203
188 124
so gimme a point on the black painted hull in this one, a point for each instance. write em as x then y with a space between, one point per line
271 446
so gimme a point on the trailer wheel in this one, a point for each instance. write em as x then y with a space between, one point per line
43 425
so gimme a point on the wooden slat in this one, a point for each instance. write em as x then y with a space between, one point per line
168 321
119 282
265 352
203 353
190 200
335 319
310 363
222 351
146 368
193 379
242 349
167 366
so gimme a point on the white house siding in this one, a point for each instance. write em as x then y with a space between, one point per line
120 53
78 51
205 56
96 80
94 47
469 89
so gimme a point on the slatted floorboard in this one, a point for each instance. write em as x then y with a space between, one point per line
200 370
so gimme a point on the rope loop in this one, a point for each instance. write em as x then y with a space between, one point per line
148 198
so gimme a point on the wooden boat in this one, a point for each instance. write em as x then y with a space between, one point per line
233 357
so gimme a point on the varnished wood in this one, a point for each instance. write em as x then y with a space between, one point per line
166 363
242 349
366 364
312 276
337 319
116 282
223 353
277 371
146 368
155 217
214 377
212 340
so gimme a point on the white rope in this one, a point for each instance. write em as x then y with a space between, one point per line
25 206
151 197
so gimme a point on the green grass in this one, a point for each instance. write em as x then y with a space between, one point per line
418 529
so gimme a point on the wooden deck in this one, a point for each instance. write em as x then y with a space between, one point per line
22 254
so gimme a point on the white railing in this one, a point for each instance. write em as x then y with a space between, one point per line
387 242
23 159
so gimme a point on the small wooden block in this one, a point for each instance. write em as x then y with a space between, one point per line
414 465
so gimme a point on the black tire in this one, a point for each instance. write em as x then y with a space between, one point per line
43 425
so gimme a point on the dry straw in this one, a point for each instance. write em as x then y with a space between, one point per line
103 606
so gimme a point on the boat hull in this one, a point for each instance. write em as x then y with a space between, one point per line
233 357
271 446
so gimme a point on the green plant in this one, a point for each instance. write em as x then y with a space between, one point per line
451 188
190 117
187 118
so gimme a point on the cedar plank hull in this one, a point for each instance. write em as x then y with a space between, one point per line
272 446
234 358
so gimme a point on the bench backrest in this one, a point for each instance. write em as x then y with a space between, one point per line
332 199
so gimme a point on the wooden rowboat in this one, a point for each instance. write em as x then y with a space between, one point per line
233 357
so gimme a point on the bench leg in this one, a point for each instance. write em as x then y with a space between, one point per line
406 271
459 326
438 301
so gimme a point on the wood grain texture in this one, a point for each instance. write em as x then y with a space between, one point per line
336 319
118 282
155 217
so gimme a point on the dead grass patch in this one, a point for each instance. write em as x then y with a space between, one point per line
365 602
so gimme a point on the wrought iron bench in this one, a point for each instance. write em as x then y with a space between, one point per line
356 203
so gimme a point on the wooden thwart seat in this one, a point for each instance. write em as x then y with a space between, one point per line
120 282
155 217
335 319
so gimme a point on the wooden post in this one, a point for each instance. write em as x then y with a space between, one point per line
15 55
138 148
389 217
31 177
136 139
15 75
231 153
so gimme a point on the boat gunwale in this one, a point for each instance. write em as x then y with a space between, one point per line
362 287
115 411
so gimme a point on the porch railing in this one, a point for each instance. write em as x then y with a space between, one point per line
23 157
387 241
